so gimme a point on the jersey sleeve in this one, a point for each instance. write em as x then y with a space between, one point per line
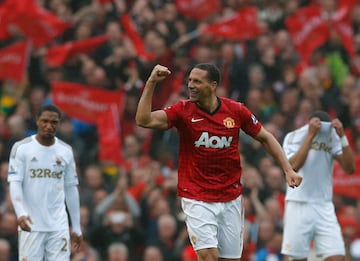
289 146
250 124
16 164
71 178
172 113
336 148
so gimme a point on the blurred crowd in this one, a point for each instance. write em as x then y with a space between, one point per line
131 211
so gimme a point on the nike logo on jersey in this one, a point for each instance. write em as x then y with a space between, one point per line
196 120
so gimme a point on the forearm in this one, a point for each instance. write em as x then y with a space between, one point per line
132 205
299 158
143 113
348 160
73 205
272 146
17 198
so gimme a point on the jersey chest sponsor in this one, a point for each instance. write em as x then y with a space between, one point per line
217 142
45 173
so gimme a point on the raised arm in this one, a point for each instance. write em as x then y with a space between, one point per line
272 146
145 117
298 159
346 159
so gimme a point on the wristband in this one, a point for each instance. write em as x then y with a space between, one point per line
344 141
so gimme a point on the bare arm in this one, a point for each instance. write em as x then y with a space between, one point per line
144 116
298 159
272 146
346 159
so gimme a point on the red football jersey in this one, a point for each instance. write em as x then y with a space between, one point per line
209 159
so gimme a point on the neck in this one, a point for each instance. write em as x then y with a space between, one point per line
45 141
209 105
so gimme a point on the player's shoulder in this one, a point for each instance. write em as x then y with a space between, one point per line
296 135
20 145
63 144
180 105
232 105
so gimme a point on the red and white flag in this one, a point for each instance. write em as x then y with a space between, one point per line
59 54
14 60
35 22
242 26
310 27
84 102
308 30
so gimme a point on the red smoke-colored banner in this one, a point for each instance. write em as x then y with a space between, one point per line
83 102
244 25
345 184
14 60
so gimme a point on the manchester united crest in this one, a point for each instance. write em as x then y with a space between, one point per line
229 122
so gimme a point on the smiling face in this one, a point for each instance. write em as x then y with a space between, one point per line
200 87
47 123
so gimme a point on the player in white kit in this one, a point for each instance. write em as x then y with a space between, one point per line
42 177
309 212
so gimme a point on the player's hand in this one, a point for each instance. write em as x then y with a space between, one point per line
159 73
76 241
338 126
314 126
24 223
293 179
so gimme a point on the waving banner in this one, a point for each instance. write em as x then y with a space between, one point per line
14 61
83 102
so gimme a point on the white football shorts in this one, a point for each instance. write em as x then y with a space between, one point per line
215 225
35 246
304 222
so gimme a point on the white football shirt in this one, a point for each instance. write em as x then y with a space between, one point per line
317 171
44 172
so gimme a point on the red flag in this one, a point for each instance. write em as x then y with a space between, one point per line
243 25
108 127
14 61
38 24
84 102
308 30
341 21
198 9
347 185
57 55
135 38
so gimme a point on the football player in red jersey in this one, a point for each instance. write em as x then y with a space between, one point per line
209 172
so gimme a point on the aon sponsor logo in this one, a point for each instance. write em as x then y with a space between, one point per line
213 141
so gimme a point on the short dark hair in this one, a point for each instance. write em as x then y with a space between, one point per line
213 73
49 107
322 115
